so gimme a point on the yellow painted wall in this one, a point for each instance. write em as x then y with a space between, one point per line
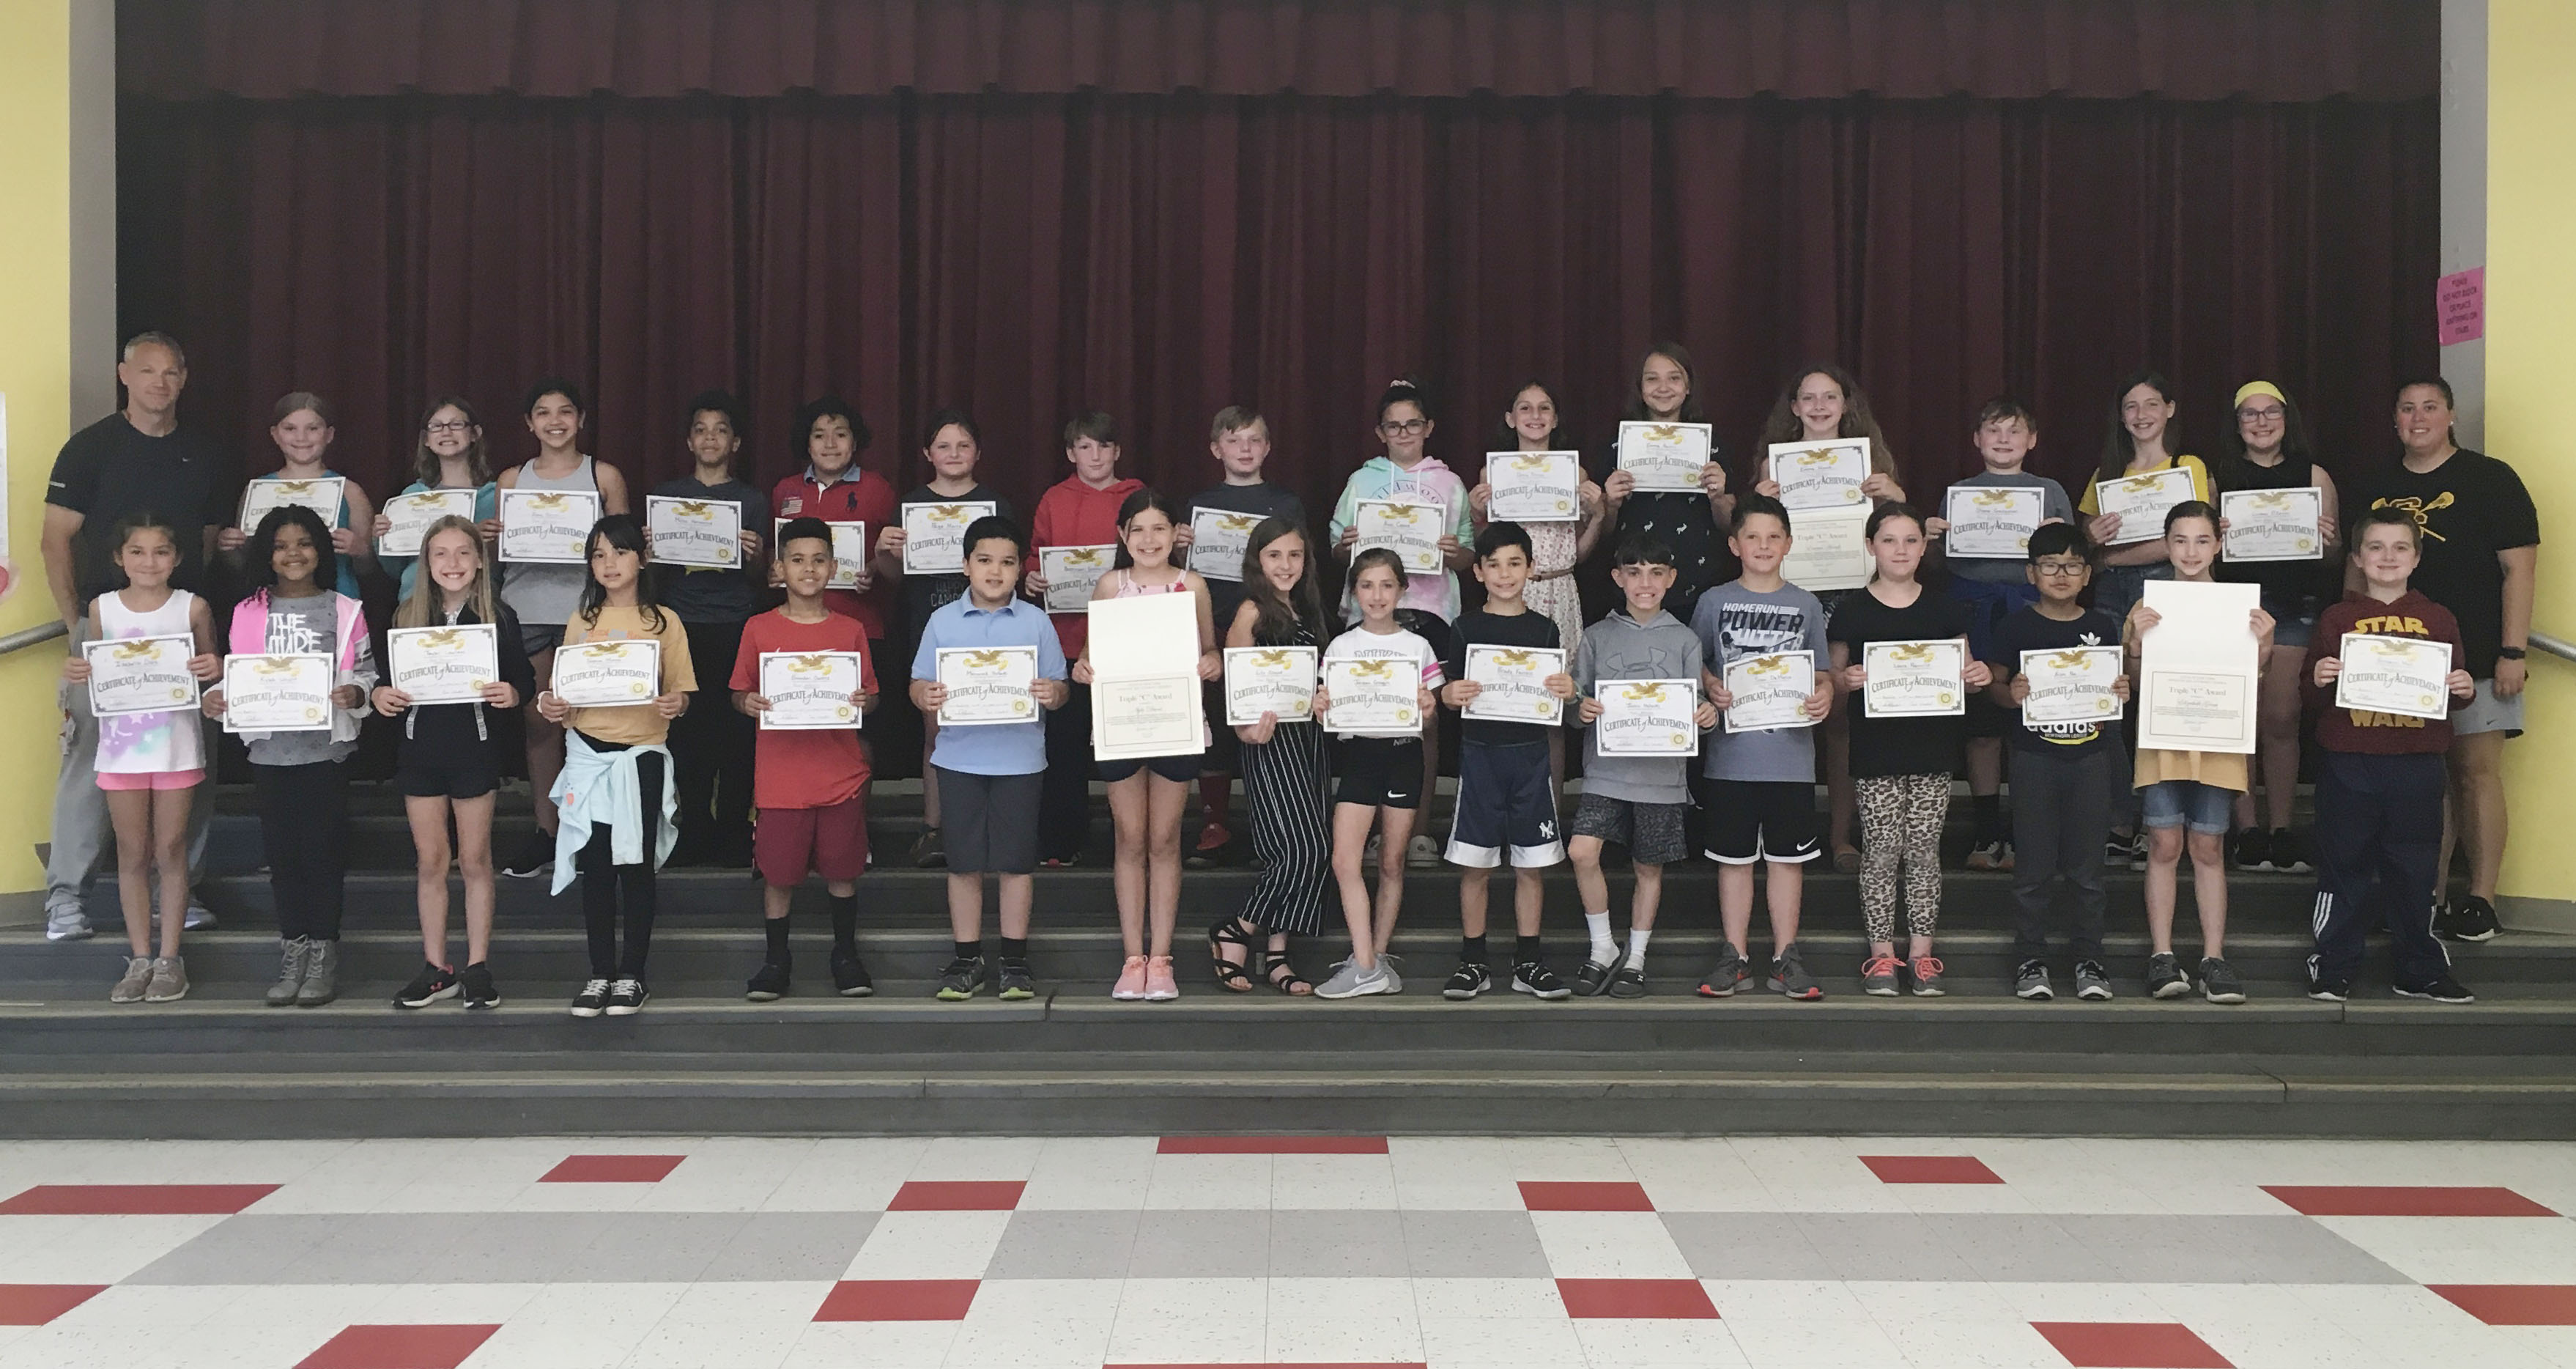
35 375
2530 346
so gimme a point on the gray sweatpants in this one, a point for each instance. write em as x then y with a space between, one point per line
2061 809
82 834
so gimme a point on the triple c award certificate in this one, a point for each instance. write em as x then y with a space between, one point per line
2197 667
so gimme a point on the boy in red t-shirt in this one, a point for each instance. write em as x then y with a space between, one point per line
810 784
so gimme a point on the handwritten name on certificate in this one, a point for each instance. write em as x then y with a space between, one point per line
322 494
1411 531
1647 718
2273 525
2073 685
1914 679
141 675
1534 487
443 665
1218 538
1513 683
934 535
408 516
290 693
1991 521
1664 457
608 674
1828 549
988 685
547 527
2407 676
2142 501
1770 691
1278 680
694 532
1140 718
809 691
1377 697
1821 475
1072 573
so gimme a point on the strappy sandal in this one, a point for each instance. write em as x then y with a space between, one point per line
1234 977
1283 976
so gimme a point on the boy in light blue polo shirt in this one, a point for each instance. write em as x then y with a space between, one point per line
990 774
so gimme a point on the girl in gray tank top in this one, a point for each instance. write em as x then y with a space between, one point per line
544 596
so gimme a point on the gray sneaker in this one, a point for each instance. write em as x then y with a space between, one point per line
2092 982
1730 972
199 918
1789 976
169 981
1350 981
2218 981
66 922
138 977
2031 982
291 959
321 975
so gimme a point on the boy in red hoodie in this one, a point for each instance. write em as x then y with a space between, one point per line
1080 510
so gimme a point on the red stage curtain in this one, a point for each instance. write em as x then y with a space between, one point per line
1803 49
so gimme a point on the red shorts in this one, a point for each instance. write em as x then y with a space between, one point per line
832 842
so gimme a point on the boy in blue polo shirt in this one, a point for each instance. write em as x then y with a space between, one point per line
990 774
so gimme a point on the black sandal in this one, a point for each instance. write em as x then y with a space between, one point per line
1283 976
1236 978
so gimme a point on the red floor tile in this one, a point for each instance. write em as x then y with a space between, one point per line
1272 1145
1592 1196
2130 1345
398 1347
2513 1304
1659 1298
1930 1169
612 1169
957 1195
2365 1200
129 1200
898 1300
34 1304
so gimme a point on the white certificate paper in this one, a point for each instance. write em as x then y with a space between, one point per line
277 693
1647 718
1514 684
608 674
1140 719
2273 525
547 527
1217 541
1664 457
1412 531
2142 502
2197 667
809 691
934 535
1821 475
1991 522
1534 487
988 685
1914 679
322 494
694 532
1770 692
443 665
1828 549
1377 697
2071 686
408 517
1278 680
1072 573
2407 676
141 675
1145 695
850 553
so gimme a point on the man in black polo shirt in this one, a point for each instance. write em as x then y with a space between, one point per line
136 458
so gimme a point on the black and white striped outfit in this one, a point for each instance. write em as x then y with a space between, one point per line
1283 784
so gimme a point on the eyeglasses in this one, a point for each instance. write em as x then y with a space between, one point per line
1407 428
2062 567
456 425
2270 415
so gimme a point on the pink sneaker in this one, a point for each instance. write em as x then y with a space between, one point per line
1131 980
1159 985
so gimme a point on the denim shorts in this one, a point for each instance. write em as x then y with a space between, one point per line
2205 808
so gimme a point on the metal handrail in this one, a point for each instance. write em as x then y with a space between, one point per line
2556 646
45 631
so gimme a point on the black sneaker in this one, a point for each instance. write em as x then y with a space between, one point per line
2030 980
927 851
2253 849
626 997
2442 990
1469 980
2218 981
2115 851
592 998
1627 982
2331 990
481 995
850 974
535 856
1534 978
1730 973
2165 978
769 983
957 982
433 983
2471 919
2092 982
1016 983
2290 853
1593 976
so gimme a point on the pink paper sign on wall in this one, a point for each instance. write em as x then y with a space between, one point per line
2460 300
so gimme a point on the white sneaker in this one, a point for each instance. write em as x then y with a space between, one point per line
67 922
1350 981
1422 853
200 918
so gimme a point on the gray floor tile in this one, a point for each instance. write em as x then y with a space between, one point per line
1317 1244
1064 1244
1200 1243
1472 1245
1870 1246
2019 1247
1747 1245
2213 1249
655 1247
514 1247
280 1249
786 1247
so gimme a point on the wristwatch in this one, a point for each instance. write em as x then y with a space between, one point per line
2509 653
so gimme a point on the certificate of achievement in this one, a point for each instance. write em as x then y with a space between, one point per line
694 532
547 526
408 517
809 690
2142 502
1278 680
2071 686
1217 542
277 693
1665 457
1534 487
2197 667
1991 521
1770 691
141 675
988 685
443 665
320 494
1647 718
1072 573
1412 531
849 550
1373 698
2273 525
1821 475
1828 549
1514 681
934 535
2403 675
608 674
1914 679
1139 719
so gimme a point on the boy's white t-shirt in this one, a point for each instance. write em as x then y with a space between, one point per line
1360 644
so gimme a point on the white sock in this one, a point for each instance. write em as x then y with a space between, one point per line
1604 950
1637 938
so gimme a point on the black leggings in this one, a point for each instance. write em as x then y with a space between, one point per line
303 829
607 887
